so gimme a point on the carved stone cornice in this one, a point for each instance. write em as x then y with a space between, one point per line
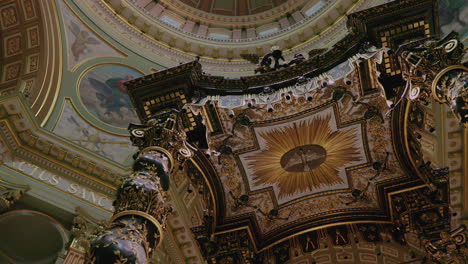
28 141
264 17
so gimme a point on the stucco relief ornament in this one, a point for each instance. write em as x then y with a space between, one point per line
8 198
141 211
10 193
303 156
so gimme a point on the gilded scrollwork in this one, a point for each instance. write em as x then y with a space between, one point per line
433 69
84 231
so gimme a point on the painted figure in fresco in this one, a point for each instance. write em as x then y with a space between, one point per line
453 16
112 94
82 40
91 140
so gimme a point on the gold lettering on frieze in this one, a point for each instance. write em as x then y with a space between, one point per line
82 194
41 176
63 184
34 170
54 180
72 188
92 197
19 165
101 199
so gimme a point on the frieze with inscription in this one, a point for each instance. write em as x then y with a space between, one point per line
60 183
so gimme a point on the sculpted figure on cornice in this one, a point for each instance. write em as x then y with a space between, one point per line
271 61
211 55
10 193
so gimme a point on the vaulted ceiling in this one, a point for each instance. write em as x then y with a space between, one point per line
234 7
64 111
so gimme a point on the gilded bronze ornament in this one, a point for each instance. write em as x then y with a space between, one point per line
433 69
141 211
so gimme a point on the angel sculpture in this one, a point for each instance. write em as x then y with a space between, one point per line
82 39
241 201
273 214
298 59
361 194
266 63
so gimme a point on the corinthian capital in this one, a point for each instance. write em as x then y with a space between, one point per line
434 68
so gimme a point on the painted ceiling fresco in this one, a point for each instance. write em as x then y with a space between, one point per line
301 153
234 7
79 131
453 16
306 156
103 92
82 42
94 109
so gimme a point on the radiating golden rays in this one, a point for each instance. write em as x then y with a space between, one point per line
313 155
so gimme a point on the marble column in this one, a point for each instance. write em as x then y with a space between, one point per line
137 226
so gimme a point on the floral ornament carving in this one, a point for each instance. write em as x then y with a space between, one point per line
85 231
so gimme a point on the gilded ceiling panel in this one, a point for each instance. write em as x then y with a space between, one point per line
303 157
306 155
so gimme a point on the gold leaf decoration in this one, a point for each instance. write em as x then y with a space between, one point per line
303 156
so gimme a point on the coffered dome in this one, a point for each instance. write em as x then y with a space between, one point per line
220 31
234 7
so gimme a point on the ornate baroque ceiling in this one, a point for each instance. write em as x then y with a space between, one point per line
302 155
64 113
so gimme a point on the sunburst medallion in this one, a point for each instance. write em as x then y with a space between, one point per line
305 155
